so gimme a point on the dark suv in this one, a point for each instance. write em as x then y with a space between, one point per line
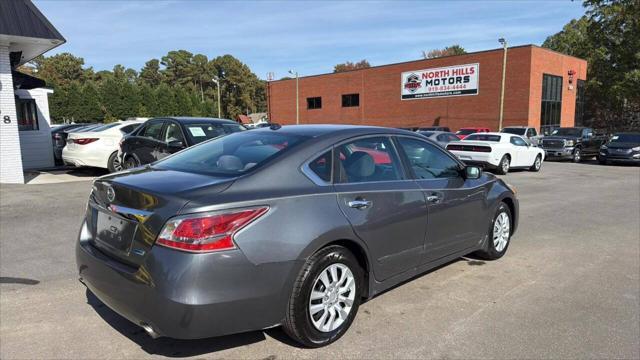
161 137
574 143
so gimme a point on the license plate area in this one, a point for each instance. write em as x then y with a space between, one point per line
114 231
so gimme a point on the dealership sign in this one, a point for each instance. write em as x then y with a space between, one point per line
456 80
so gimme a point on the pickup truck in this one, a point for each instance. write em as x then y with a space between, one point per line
526 132
574 143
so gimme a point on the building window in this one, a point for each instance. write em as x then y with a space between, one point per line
314 103
350 100
551 103
27 114
580 100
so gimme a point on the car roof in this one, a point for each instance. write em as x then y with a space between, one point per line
191 120
516 127
317 130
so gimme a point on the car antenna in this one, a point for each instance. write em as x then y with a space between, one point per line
275 126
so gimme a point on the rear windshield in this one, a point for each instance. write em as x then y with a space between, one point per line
198 133
483 137
514 131
466 131
625 138
104 127
231 155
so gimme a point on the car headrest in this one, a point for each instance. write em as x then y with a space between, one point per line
360 165
230 163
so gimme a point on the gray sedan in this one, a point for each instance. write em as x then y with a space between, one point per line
292 226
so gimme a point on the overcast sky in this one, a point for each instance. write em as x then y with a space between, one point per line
310 37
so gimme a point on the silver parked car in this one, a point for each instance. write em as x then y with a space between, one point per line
290 226
442 138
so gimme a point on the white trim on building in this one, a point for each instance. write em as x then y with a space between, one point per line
10 149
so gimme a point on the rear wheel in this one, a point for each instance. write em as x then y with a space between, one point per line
505 163
499 234
130 162
325 297
577 155
114 164
537 164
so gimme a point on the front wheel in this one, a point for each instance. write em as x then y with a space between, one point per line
577 155
499 234
537 164
325 297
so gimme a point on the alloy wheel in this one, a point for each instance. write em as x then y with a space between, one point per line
116 164
538 163
505 165
501 231
332 297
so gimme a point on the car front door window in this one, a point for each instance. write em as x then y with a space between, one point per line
427 161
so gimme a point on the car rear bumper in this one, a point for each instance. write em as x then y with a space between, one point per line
483 159
187 296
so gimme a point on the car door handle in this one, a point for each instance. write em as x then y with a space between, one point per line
433 198
360 204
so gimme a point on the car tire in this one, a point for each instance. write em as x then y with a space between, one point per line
577 155
503 167
499 235
114 164
316 329
130 162
537 164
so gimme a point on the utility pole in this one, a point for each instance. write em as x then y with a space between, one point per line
217 81
297 97
504 74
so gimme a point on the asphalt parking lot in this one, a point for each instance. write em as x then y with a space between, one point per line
569 286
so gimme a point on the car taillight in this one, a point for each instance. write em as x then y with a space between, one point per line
206 233
84 141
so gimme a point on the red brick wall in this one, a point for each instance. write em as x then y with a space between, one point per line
550 62
380 88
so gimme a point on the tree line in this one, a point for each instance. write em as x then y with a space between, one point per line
608 37
179 83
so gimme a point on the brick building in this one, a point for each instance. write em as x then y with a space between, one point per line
543 89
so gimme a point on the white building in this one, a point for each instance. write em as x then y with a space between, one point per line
25 139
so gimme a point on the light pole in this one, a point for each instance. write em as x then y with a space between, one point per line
217 81
504 75
297 97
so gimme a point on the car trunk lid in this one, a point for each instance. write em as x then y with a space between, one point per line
127 211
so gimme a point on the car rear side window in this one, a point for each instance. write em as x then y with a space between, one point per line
427 161
321 166
233 154
153 130
367 160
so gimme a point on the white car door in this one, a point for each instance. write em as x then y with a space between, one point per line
521 152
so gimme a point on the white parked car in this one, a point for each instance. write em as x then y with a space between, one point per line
499 151
98 147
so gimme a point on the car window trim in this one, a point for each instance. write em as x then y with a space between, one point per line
308 172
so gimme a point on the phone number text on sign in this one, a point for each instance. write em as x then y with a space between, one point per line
456 80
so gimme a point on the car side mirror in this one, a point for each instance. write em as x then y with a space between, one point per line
176 144
472 172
